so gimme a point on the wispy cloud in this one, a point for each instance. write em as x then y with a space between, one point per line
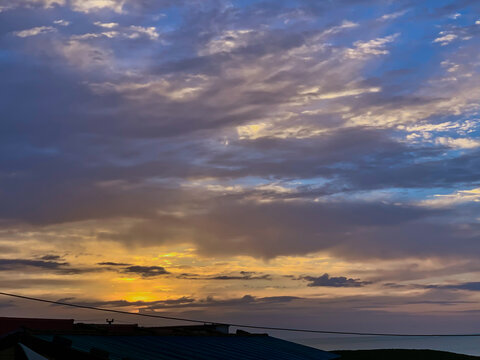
445 39
458 197
373 47
394 15
34 31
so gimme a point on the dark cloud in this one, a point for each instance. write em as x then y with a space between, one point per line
400 274
245 300
350 229
340 281
230 277
189 276
109 263
146 271
15 264
243 275
188 302
51 257
33 266
468 286
41 283
124 303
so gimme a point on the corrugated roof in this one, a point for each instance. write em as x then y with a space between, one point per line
195 347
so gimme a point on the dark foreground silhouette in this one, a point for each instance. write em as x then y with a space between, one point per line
400 354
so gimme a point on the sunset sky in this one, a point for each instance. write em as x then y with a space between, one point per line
285 162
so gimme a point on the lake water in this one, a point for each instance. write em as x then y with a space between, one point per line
461 345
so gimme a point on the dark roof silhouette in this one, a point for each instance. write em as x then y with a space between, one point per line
132 342
9 324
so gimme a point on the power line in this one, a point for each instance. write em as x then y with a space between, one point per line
100 309
230 324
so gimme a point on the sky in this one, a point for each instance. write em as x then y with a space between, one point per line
290 162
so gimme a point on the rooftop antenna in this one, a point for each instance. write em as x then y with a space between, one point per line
109 322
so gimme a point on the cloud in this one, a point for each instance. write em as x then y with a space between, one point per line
145 271
469 286
17 264
228 41
455 16
393 15
445 39
51 257
347 229
88 6
48 264
61 22
85 56
458 143
110 25
334 95
327 280
244 275
114 30
182 301
34 31
150 32
5 249
374 47
47 4
41 282
449 200
230 277
246 300
110 263
189 302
